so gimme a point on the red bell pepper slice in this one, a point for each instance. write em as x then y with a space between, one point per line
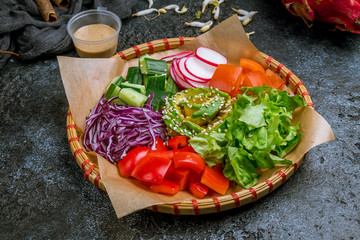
198 190
179 175
168 154
178 142
151 169
131 159
215 180
185 149
160 145
189 160
194 177
167 187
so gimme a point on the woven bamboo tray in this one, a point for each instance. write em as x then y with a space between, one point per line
195 206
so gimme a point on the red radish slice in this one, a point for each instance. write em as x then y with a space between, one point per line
175 78
186 74
180 79
210 56
199 85
178 55
199 69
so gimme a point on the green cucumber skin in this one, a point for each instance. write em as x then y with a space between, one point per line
156 82
132 97
137 87
112 91
170 86
154 67
134 75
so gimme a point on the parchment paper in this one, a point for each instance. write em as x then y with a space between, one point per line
85 81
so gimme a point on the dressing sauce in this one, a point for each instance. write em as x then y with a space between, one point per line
92 33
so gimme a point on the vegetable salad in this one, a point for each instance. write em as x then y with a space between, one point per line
193 122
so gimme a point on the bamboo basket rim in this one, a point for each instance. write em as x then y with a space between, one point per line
194 206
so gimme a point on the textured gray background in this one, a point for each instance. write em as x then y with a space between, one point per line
45 196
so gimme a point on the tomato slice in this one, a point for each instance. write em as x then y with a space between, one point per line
256 79
276 80
151 169
167 187
185 149
226 77
215 180
189 160
178 142
160 145
249 65
198 190
179 175
131 159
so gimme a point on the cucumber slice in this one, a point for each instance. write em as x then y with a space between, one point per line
170 86
117 81
142 65
137 87
112 91
134 75
156 82
159 98
132 97
156 67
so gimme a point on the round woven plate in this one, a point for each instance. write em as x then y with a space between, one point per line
195 206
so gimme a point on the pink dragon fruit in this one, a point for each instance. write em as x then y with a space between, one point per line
345 14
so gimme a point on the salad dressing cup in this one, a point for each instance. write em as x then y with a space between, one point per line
95 33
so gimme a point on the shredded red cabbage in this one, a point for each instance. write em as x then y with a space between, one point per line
112 130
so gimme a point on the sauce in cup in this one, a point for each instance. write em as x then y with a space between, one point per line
95 33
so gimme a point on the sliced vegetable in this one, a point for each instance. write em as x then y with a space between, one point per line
178 142
151 66
132 97
198 68
215 180
113 130
198 190
161 154
197 110
116 81
134 75
256 79
185 149
131 159
137 87
227 78
166 187
210 56
160 144
249 65
112 91
156 82
151 170
177 55
170 86
180 176
189 160
276 80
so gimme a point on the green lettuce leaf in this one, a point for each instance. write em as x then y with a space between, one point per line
209 147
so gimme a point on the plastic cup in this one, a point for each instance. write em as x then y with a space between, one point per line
95 33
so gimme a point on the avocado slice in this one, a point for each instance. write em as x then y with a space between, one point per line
197 110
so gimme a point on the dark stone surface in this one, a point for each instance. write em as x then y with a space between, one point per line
45 196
